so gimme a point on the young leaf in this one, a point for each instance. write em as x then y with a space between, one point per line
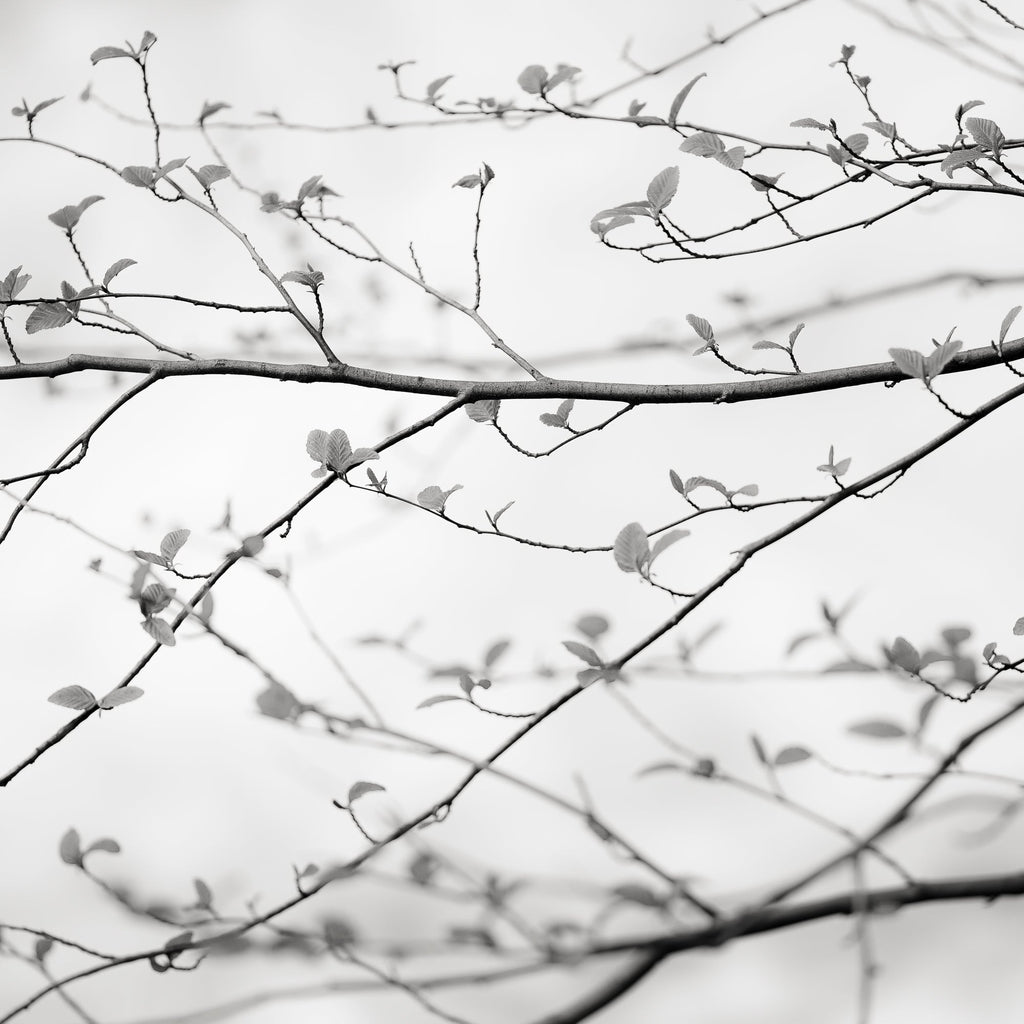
986 133
856 143
435 86
173 543
497 515
960 158
563 73
71 847
439 699
631 549
1018 627
106 53
938 360
358 789
159 630
703 144
732 158
46 316
592 626
909 362
1004 327
791 755
106 845
759 752
140 177
680 98
583 652
495 651
68 216
904 654
665 541
123 695
154 598
702 327
878 729
210 173
209 109
808 122
468 181
532 79
662 189
114 269
484 411
78 698
883 128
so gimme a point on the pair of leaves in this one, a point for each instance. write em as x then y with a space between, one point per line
109 52
78 698
11 286
334 453
480 180
686 487
30 112
926 368
208 174
171 544
312 279
535 80
710 146
793 335
71 851
434 499
833 468
633 552
147 177
559 418
484 411
67 217
853 145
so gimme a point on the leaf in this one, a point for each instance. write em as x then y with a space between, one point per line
839 468
495 651
155 598
703 144
435 85
106 53
856 143
71 847
210 173
358 789
732 158
114 269
552 419
42 947
209 109
960 158
791 755
1004 327
439 699
563 73
123 695
140 177
1018 627
468 181
592 626
277 701
252 546
909 362
11 286
879 729
173 543
665 541
986 133
808 122
148 39
68 216
584 653
704 330
631 549
204 896
693 482
434 498
938 360
159 630
883 128
763 182
532 79
680 98
497 515
662 189
484 411
969 105
904 654
78 698
759 752
46 316
641 894
149 556
106 845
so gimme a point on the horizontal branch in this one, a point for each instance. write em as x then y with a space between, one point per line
637 394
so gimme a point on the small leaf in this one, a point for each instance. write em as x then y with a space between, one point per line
584 653
532 79
140 177
878 729
252 546
435 85
883 128
159 630
960 158
46 316
106 53
704 144
662 189
791 755
468 181
856 143
277 701
1004 327
641 894
78 698
631 549
563 73
210 173
764 182
1018 627
680 98
839 468
114 269
759 752
495 651
938 360
358 789
204 896
732 158
149 556
106 845
592 626
497 515
703 329
665 541
123 695
484 411
439 699
209 109
808 122
909 362
173 543
71 847
68 216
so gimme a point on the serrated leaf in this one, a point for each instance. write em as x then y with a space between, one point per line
680 98
159 630
208 174
71 847
666 540
584 653
114 269
77 698
484 411
107 53
732 158
532 79
1004 327
704 144
693 482
701 326
155 598
960 158
431 497
47 316
884 128
565 408
316 445
808 122
552 419
791 755
909 362
440 698
631 548
68 216
358 789
662 189
140 177
938 360
879 729
123 695
986 133
149 556
173 543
